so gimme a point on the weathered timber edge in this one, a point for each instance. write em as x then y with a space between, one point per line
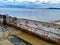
47 31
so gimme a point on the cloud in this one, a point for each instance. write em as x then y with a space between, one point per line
54 1
32 3
43 0
51 1
6 1
10 0
17 0
26 0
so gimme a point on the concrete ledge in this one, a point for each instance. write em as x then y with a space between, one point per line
43 37
47 31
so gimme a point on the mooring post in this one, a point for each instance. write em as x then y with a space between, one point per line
4 19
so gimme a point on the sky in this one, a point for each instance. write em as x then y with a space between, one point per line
41 3
51 1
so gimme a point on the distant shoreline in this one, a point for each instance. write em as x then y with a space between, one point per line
25 8
28 8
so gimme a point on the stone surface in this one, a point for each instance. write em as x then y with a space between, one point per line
8 37
49 30
41 28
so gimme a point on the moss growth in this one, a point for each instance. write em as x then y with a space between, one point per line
56 21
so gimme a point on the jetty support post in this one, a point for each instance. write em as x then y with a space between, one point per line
4 19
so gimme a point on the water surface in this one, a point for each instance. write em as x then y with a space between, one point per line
37 14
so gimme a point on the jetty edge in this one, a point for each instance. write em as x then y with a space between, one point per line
43 30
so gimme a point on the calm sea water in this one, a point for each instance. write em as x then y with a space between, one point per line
36 14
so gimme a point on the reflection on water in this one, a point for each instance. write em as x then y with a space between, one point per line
8 37
12 36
